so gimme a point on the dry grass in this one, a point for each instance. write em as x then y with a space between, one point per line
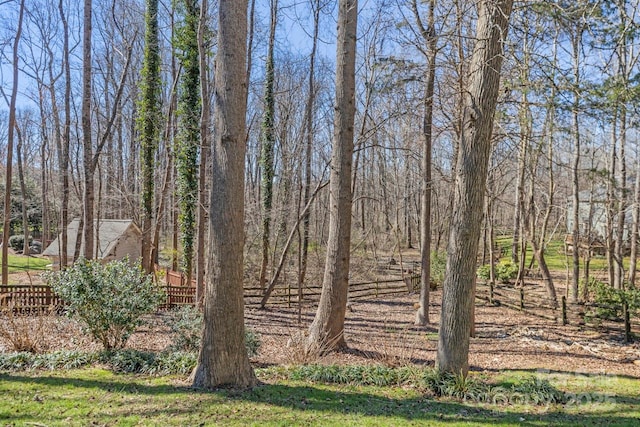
24 329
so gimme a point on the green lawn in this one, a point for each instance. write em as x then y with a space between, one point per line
18 263
98 397
554 256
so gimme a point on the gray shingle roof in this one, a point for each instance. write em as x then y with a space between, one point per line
111 230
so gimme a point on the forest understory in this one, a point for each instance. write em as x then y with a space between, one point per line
381 331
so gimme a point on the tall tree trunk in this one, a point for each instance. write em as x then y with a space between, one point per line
575 277
619 247
223 356
429 37
327 330
149 124
268 145
87 139
475 146
633 235
308 120
23 190
6 228
204 152
188 138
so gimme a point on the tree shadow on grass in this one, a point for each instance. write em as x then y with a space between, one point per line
304 404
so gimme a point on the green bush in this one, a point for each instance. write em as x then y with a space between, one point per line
185 324
484 272
610 301
16 242
438 267
251 341
109 300
505 271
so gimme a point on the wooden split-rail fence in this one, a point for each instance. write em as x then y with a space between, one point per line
179 293
530 300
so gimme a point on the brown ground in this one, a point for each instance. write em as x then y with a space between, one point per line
382 331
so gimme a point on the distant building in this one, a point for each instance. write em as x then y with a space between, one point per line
114 239
592 216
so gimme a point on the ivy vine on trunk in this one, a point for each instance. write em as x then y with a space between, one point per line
188 137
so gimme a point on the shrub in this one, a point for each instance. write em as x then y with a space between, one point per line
16 242
484 272
186 327
185 324
438 267
251 341
108 300
505 271
610 301
23 328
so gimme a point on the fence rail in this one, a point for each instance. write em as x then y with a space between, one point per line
28 297
178 293
566 313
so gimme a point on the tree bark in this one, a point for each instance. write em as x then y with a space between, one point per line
471 174
87 139
223 360
6 228
308 130
66 141
204 152
268 145
429 37
188 137
23 190
327 330
149 124
575 42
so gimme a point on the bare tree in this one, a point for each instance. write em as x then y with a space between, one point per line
10 136
223 356
327 329
87 144
205 115
268 144
475 146
149 124
428 34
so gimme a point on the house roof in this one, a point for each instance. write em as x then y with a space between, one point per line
108 235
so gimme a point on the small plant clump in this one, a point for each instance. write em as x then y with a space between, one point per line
109 300
504 270
185 324
609 302
467 388
23 328
123 361
24 361
438 267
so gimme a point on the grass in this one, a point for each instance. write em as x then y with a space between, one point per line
95 396
554 256
20 263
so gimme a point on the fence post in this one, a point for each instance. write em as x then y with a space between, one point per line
490 292
627 323
521 298
564 310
